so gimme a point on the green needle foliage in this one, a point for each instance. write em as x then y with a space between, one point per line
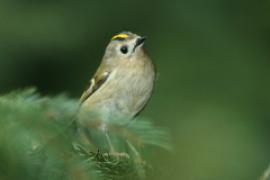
38 141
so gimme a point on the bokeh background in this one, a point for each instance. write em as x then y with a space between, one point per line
213 61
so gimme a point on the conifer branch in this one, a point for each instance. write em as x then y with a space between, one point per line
37 141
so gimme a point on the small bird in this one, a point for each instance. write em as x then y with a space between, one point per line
122 84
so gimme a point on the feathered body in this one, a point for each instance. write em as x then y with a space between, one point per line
123 83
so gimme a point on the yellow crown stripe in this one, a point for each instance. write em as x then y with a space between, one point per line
122 36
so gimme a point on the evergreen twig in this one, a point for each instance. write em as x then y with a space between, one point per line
37 141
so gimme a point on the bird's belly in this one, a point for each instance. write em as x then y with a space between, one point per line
121 98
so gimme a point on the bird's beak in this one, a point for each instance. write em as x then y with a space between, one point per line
139 41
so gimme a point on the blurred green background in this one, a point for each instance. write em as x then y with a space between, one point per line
213 61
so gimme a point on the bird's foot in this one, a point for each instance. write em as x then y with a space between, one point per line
117 155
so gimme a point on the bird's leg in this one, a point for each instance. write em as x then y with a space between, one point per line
112 150
138 161
134 152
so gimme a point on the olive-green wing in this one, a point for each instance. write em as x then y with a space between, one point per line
95 84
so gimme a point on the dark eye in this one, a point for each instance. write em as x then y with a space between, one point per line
124 49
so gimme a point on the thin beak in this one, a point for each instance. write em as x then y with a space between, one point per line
139 41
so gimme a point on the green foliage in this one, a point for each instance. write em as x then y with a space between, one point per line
110 166
37 142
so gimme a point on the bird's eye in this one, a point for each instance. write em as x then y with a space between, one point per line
124 49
